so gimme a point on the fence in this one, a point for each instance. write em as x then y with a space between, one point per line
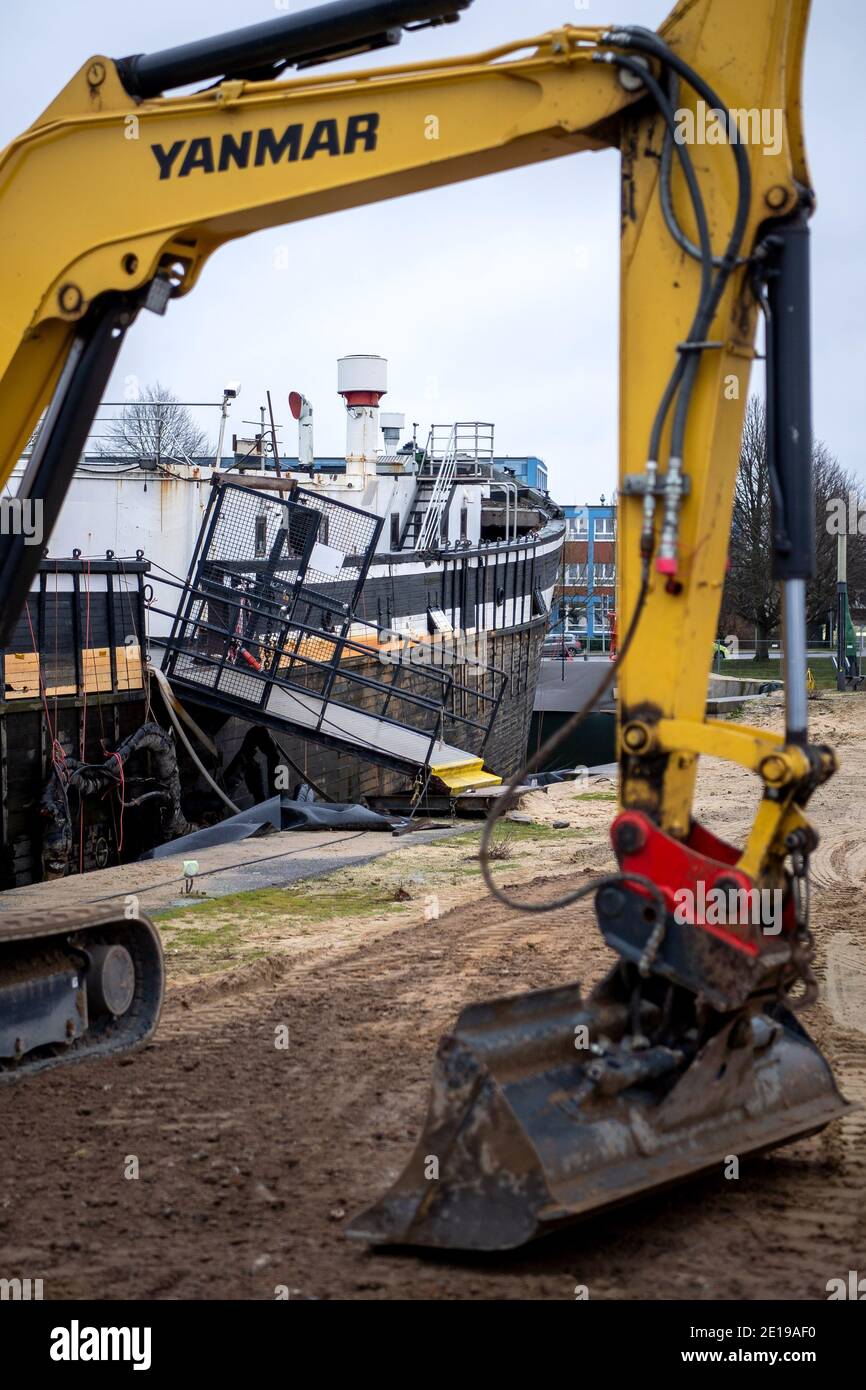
268 628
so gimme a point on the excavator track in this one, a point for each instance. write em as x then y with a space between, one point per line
75 985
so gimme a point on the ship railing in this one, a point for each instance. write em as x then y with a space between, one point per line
432 517
472 442
235 648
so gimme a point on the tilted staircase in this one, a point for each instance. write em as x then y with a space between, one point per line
266 634
433 492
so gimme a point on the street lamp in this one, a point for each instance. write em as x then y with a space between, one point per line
231 391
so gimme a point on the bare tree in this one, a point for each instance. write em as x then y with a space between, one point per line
156 427
750 592
835 485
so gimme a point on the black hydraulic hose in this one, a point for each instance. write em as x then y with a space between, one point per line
706 252
89 362
668 210
504 802
89 779
667 112
647 42
680 384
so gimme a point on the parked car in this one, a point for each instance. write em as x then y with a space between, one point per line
561 646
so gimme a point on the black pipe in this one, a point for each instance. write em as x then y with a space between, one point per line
789 401
59 445
337 30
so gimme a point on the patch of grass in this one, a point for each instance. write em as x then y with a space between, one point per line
595 796
733 714
205 931
502 842
518 830
313 902
226 934
822 668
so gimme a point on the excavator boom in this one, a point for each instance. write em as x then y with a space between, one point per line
547 1106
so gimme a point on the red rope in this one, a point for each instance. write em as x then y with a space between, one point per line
58 754
42 688
122 799
84 715
56 638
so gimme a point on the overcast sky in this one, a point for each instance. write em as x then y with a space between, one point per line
475 293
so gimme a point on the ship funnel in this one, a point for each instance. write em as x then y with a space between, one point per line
362 381
303 413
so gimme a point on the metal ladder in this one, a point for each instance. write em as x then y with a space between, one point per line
431 518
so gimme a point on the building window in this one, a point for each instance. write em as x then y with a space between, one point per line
600 619
575 574
604 574
578 526
395 530
605 528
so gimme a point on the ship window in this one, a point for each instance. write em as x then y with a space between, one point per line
443 524
395 530
261 536
464 523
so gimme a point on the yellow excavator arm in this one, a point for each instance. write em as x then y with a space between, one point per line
116 196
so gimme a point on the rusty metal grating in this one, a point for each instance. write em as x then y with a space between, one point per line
268 627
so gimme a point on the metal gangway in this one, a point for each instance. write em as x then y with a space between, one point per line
267 629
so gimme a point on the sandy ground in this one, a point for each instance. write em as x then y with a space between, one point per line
251 1157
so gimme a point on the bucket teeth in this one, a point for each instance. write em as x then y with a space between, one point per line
545 1109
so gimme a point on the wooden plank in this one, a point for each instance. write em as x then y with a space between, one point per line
21 675
96 669
130 671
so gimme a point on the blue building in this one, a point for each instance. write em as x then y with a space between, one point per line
585 598
531 471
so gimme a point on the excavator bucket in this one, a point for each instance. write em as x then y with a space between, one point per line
546 1108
